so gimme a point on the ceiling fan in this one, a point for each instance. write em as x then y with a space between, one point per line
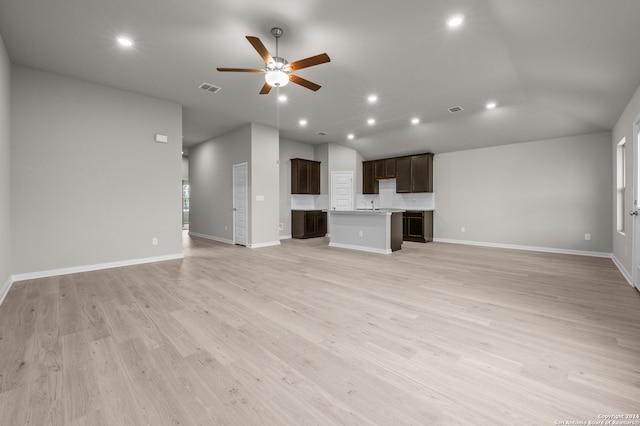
278 71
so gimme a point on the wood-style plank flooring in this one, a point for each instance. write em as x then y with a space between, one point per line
304 334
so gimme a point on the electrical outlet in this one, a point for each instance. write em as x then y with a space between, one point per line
587 237
154 241
360 233
281 226
226 228
462 229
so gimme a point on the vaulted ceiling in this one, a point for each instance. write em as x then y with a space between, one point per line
554 67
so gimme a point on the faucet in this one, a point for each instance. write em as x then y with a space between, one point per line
373 204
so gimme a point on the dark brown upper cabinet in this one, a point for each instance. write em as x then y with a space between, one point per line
422 173
385 168
305 176
403 174
369 182
414 173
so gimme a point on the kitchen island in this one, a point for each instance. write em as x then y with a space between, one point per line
377 231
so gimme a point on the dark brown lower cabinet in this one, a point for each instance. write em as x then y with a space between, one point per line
308 223
417 225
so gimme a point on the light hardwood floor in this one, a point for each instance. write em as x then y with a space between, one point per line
304 334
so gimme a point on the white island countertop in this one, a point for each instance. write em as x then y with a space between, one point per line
377 231
381 212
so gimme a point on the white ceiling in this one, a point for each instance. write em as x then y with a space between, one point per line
555 67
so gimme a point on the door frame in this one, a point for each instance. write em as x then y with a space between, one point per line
233 192
635 226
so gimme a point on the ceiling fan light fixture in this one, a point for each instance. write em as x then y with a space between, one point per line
455 21
276 78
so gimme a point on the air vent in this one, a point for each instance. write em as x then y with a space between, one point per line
455 109
210 88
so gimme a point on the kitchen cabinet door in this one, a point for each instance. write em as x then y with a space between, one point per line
314 177
421 173
403 174
308 223
390 168
369 182
378 167
305 176
417 226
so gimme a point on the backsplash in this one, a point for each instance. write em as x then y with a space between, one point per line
309 202
389 199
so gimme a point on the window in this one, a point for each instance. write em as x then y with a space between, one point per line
185 196
621 185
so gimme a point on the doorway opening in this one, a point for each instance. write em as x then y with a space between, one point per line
185 204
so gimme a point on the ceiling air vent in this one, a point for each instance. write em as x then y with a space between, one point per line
455 109
210 88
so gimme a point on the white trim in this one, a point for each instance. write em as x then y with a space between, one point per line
361 248
210 237
5 289
286 237
96 267
261 245
623 271
529 248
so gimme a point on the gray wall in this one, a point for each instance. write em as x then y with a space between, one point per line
289 149
546 194
185 168
89 184
211 183
265 178
321 154
623 243
5 170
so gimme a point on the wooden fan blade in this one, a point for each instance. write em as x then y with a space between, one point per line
265 89
309 62
262 51
304 82
239 70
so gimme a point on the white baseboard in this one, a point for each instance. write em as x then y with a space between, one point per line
368 249
261 245
96 267
286 237
529 248
5 289
623 271
210 237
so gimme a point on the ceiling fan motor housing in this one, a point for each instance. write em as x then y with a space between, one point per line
278 64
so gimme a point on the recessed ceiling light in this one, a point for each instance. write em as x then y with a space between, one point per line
302 122
372 99
125 41
491 105
371 121
415 121
282 98
351 136
455 21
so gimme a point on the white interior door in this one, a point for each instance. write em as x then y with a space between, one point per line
341 190
240 200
